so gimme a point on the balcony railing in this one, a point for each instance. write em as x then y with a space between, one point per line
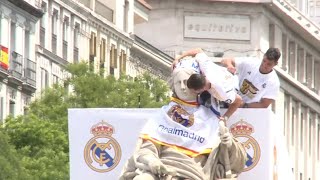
65 50
299 17
30 72
16 64
54 44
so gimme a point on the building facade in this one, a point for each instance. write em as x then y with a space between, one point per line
17 59
249 28
39 38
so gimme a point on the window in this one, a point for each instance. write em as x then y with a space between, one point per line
311 119
284 52
286 114
113 56
65 38
26 44
54 31
55 79
13 36
301 65
76 35
44 78
65 28
316 75
76 43
317 11
292 59
302 121
12 105
309 71
43 22
54 22
93 43
123 61
43 19
113 59
102 54
125 16
30 72
293 122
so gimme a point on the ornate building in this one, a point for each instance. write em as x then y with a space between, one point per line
249 28
17 58
45 35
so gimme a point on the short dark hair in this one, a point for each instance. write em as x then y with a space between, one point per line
273 54
196 81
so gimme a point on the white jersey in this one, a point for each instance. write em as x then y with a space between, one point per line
253 86
222 81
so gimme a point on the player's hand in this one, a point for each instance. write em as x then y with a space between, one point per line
224 134
232 69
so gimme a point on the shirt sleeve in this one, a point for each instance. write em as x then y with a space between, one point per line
222 83
225 87
204 63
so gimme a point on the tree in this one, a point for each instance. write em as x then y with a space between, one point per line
41 136
93 90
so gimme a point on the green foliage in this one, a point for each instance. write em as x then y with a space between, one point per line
41 136
10 164
93 90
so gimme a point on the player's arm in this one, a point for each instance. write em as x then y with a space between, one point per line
229 63
191 52
263 103
233 106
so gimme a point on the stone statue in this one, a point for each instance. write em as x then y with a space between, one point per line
186 142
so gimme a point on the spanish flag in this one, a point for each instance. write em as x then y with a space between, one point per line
4 59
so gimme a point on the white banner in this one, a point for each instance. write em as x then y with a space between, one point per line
253 129
102 140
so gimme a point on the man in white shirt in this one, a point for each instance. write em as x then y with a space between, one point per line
258 81
214 79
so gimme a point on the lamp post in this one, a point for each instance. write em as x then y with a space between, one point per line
139 102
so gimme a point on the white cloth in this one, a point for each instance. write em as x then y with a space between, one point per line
199 138
222 81
253 86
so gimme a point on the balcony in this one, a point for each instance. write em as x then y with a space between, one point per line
15 67
296 21
33 7
30 72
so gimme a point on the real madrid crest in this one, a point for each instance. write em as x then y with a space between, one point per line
102 153
242 131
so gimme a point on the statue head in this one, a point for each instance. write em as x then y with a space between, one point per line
179 77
